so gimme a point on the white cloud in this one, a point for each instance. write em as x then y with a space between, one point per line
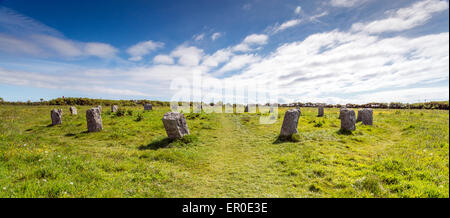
346 3
315 17
238 62
143 48
215 36
199 37
61 46
12 45
340 65
297 10
287 24
405 18
217 58
190 56
24 35
100 49
251 40
259 39
163 59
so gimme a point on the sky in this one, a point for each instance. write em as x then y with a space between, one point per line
330 51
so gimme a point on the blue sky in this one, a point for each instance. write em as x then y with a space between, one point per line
332 51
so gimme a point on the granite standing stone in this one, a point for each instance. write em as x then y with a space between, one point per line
114 108
320 111
56 115
358 118
73 110
367 116
290 122
175 125
348 119
340 111
148 107
94 120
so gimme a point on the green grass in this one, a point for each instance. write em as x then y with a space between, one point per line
405 154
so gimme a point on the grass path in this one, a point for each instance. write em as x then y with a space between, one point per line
236 167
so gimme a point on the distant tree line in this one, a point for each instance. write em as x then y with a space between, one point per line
89 101
442 105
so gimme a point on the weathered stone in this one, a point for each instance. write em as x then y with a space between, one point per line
56 115
94 120
290 122
114 108
148 107
348 119
246 108
175 125
358 118
367 116
73 110
320 111
100 108
340 111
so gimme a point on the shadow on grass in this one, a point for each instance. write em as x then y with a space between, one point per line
344 132
284 139
156 144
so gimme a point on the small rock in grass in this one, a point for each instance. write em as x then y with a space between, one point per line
148 107
73 110
114 108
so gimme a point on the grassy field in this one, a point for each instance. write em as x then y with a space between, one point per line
405 154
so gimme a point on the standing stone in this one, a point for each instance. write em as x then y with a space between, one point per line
114 108
246 108
94 120
348 119
56 115
367 116
320 111
290 122
148 107
175 125
340 111
73 110
358 118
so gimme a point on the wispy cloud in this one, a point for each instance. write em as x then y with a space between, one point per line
287 24
199 37
143 48
405 18
215 36
297 10
163 59
346 3
25 36
251 40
